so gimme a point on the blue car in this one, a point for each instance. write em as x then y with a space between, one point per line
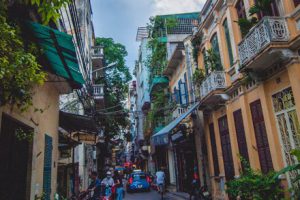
138 181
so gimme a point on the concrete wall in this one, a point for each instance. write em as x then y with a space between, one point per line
44 123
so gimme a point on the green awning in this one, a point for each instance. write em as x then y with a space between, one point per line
59 50
159 81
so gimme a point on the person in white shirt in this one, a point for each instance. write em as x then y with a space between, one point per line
160 179
108 180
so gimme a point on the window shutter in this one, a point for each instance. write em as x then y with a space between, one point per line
263 148
47 167
226 148
228 41
215 47
183 93
214 149
240 134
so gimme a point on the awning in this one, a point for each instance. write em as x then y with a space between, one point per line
77 123
162 137
59 50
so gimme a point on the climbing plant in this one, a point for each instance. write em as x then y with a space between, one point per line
212 60
196 42
198 77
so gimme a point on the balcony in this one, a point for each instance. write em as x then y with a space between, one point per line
211 85
98 91
97 52
159 82
265 44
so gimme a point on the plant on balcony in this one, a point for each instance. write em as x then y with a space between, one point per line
198 77
253 184
19 69
261 6
157 60
212 60
196 42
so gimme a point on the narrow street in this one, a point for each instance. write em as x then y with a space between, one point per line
153 195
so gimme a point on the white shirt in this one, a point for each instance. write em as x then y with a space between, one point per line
108 181
160 177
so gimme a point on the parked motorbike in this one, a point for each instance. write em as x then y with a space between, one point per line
199 193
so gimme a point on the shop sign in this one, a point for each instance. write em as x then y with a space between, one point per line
65 153
178 135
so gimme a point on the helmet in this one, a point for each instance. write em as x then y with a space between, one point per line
108 173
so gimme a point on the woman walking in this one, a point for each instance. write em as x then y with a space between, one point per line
119 185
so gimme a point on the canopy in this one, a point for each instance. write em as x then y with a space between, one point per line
162 137
59 50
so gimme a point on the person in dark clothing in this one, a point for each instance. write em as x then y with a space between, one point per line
119 185
95 186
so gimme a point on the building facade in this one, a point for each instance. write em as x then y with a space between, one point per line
250 91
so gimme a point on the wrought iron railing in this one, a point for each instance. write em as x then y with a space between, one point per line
98 91
268 30
215 80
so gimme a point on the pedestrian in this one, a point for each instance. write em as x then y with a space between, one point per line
95 186
160 180
119 185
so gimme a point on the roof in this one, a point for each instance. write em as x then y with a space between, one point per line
191 15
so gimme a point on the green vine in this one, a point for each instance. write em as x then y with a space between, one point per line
19 69
22 135
157 60
198 77
196 42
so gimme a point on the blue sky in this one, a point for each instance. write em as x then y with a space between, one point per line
119 19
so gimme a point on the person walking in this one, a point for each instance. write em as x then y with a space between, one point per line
95 186
160 180
119 185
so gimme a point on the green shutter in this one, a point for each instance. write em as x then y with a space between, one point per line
228 42
47 167
59 51
215 47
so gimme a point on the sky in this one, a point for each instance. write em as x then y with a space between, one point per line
119 19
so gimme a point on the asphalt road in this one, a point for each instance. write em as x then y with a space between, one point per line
153 195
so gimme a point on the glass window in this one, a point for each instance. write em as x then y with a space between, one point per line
272 10
215 46
240 8
228 41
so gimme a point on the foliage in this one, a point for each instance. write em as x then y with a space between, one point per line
22 135
157 60
116 87
261 6
198 76
295 169
19 69
196 42
42 197
254 185
212 60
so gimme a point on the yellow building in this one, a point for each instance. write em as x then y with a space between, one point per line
250 99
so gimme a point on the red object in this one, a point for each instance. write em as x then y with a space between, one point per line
148 179
130 180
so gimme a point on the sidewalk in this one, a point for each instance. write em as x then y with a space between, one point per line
172 194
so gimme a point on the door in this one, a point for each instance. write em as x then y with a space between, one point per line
262 142
226 148
288 126
47 167
15 160
214 149
240 134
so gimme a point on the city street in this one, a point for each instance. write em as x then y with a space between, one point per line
153 195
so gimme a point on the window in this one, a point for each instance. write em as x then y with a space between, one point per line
262 142
186 89
287 124
182 93
214 149
272 10
228 42
296 2
226 148
240 8
215 46
240 134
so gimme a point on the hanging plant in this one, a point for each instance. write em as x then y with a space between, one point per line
212 60
22 135
196 42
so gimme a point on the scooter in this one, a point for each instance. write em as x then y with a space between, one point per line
107 192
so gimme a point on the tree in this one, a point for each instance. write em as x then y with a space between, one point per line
115 80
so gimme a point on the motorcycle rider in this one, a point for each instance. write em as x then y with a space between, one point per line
95 185
108 180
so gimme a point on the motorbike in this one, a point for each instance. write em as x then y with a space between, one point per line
199 193
107 192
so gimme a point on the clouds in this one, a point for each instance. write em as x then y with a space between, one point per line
176 6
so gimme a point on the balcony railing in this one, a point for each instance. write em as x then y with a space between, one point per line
267 31
98 91
214 81
97 52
